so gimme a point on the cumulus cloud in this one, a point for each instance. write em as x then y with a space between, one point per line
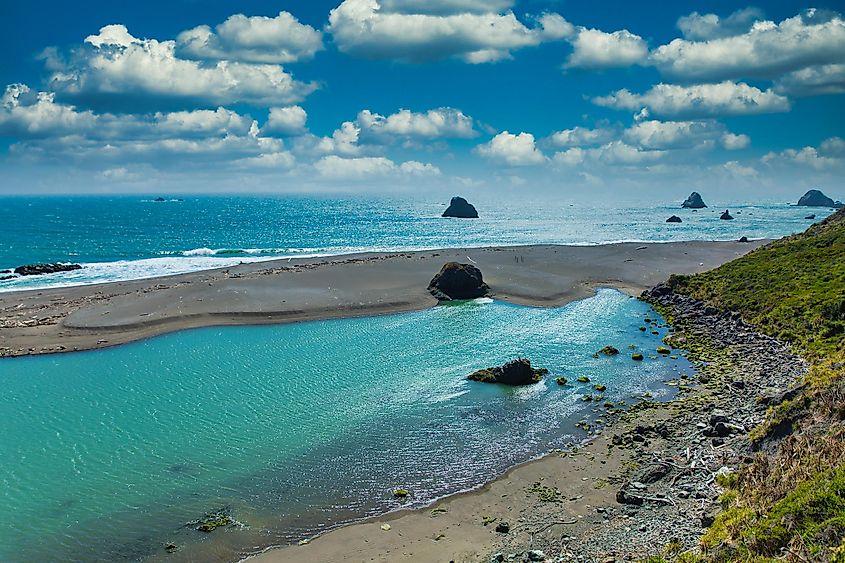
437 123
594 48
830 155
444 7
698 100
336 167
733 142
512 150
655 134
701 27
580 136
256 39
461 29
813 81
613 153
344 140
114 64
285 121
767 50
740 170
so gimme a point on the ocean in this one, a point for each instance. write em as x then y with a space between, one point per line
130 237
108 455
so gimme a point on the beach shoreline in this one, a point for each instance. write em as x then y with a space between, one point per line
89 317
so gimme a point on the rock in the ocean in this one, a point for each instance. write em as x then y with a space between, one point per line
609 350
674 219
159 199
694 201
810 216
726 216
461 208
458 281
515 372
815 198
39 269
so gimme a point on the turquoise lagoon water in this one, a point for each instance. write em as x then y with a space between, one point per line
129 237
105 455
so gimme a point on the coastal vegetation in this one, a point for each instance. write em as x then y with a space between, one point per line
788 501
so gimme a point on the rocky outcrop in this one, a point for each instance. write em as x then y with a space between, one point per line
815 198
461 208
694 201
40 269
674 219
458 281
726 216
515 372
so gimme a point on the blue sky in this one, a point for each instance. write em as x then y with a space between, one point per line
404 95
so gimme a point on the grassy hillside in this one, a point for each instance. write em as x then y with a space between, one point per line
789 502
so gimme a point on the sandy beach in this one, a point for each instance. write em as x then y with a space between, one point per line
95 316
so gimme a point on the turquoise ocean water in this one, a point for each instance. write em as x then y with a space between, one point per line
128 237
106 455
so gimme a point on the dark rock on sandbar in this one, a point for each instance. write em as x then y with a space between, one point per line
461 208
674 219
726 216
743 239
515 372
458 281
694 201
815 198
40 269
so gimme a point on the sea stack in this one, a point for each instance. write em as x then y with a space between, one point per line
461 208
694 201
674 219
458 281
515 372
726 216
815 198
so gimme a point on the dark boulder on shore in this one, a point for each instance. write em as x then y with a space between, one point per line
458 281
694 201
674 219
461 208
815 198
515 372
40 269
726 216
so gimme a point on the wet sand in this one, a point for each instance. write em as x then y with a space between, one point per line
95 316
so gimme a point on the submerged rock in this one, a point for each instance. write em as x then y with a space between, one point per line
213 520
40 269
461 208
815 198
810 216
694 201
609 350
726 216
458 281
674 219
515 372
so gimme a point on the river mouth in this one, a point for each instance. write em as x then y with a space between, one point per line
295 429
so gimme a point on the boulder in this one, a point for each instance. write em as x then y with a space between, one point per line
458 281
461 208
40 269
694 201
674 219
815 198
726 216
743 239
609 350
515 372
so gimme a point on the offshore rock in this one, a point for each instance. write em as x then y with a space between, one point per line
726 216
674 219
461 208
515 372
40 269
694 201
458 281
815 198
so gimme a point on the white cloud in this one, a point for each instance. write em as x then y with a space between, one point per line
740 170
116 64
285 121
767 50
571 157
343 141
594 48
433 124
655 134
813 81
698 100
512 150
275 160
612 153
698 27
335 167
830 156
24 113
362 28
733 142
444 7
256 39
579 136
